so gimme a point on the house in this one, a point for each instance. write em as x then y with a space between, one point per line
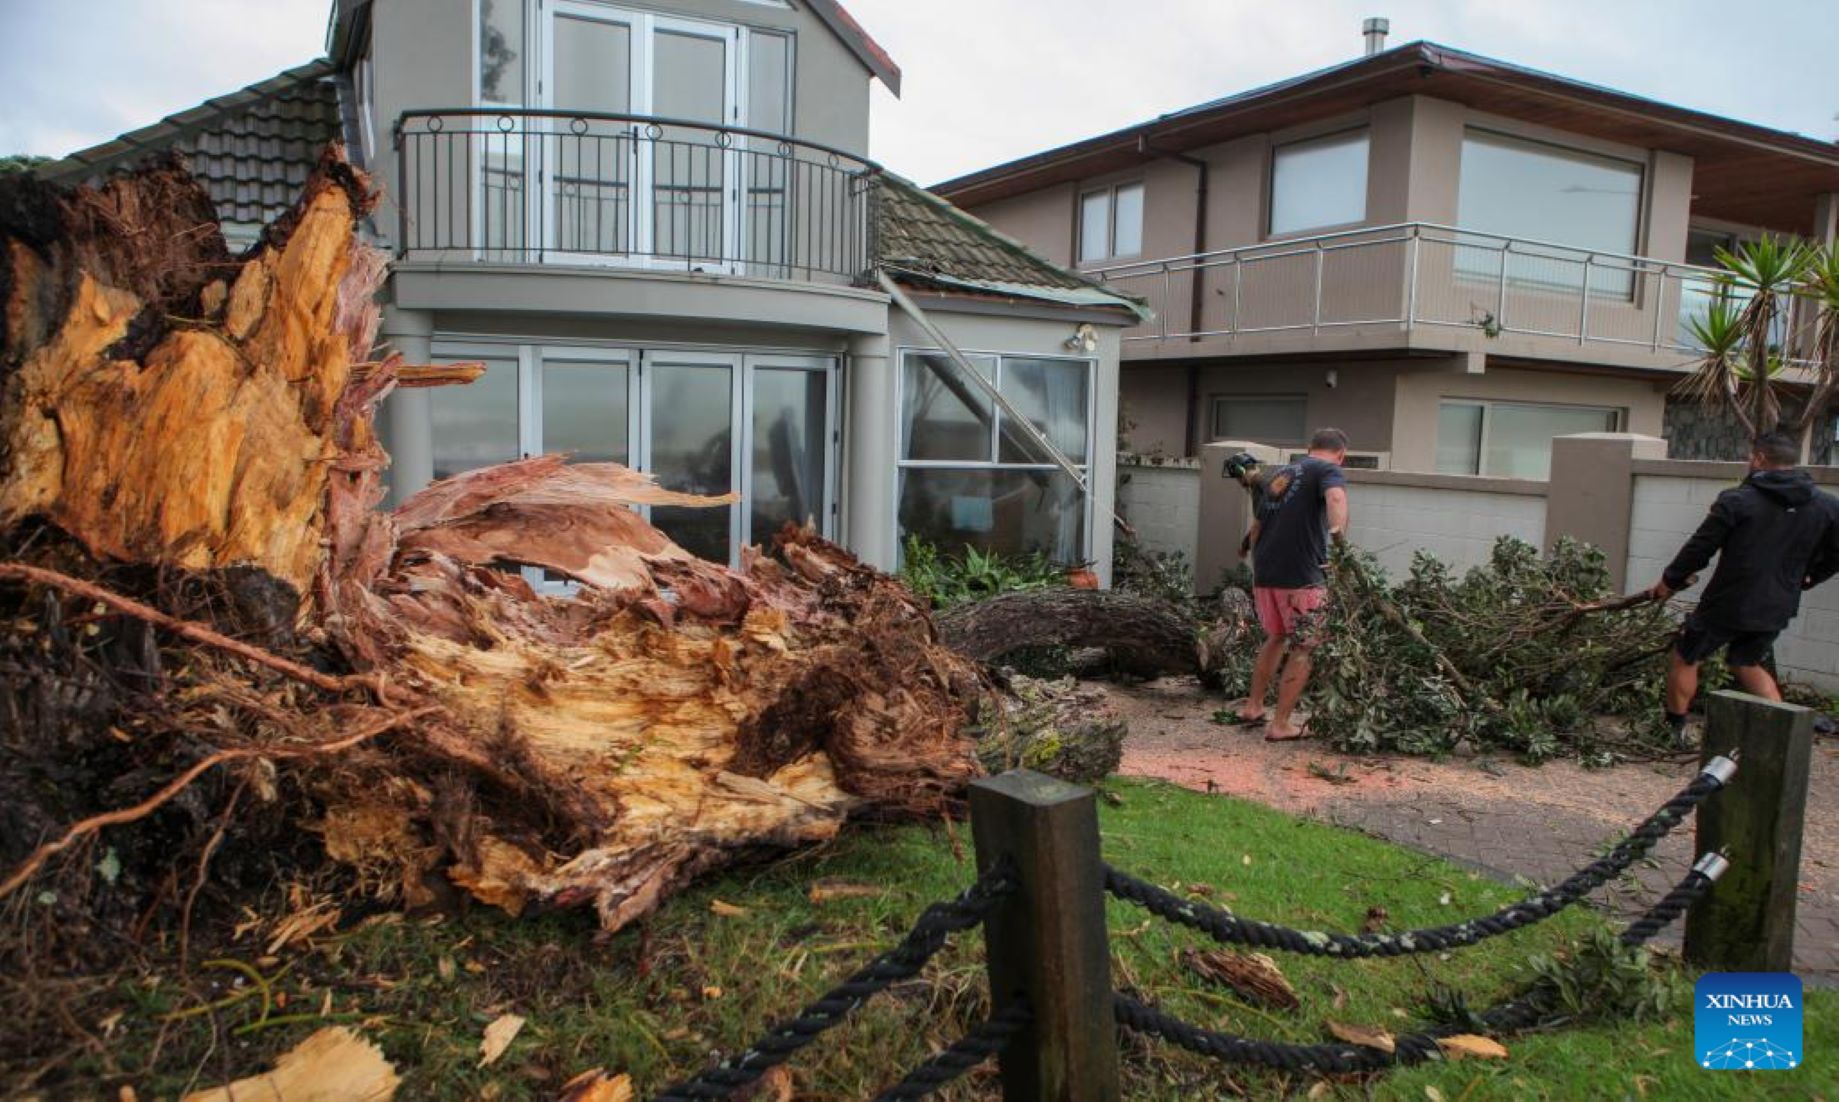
656 224
1453 258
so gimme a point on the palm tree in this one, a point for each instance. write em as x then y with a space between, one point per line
1738 332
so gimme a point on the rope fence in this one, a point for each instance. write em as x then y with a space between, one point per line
1055 1016
1230 929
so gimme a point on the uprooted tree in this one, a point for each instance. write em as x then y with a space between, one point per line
216 634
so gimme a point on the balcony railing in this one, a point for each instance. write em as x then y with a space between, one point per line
531 186
1420 274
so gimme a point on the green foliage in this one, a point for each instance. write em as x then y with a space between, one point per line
945 579
1162 575
1495 659
1600 979
20 162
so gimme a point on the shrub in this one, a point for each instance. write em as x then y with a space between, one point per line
946 579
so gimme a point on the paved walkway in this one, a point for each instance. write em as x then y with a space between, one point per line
1542 823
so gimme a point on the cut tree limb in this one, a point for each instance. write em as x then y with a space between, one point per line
1144 637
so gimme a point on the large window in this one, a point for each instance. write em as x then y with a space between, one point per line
970 477
1532 191
1319 183
1510 439
1111 223
703 422
1260 418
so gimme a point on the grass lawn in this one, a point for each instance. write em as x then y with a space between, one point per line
656 1001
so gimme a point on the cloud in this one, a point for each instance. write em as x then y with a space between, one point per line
986 80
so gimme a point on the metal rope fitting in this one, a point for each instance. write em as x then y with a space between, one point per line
1712 865
1720 769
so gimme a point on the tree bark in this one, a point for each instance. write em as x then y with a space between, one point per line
1144 637
166 406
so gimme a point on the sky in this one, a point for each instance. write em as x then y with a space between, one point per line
989 80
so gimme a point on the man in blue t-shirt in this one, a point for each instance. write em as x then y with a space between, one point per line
1305 503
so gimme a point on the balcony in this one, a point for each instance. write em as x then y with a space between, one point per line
582 189
1418 284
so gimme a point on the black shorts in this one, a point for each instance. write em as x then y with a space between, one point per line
1699 640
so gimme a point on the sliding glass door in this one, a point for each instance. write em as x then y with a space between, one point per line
615 190
703 422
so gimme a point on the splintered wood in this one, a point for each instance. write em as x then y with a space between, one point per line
167 405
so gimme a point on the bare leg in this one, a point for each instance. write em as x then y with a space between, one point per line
1289 691
1270 656
1756 681
1682 683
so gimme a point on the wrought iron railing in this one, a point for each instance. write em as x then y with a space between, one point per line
527 185
1423 274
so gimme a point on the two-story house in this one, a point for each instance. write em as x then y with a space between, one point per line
657 225
1453 258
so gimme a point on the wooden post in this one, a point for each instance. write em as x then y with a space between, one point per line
1047 941
1746 923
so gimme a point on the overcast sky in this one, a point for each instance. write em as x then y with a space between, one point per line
988 80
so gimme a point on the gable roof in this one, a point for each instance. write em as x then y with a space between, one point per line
1742 171
252 149
349 17
923 240
860 42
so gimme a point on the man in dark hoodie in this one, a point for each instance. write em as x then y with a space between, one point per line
1775 535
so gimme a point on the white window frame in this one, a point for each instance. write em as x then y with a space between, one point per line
538 91
1110 192
642 360
1214 402
1487 407
1270 185
994 463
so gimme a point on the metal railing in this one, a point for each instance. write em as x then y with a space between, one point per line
1424 274
532 186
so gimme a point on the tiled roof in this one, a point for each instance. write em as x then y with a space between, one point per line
252 149
923 239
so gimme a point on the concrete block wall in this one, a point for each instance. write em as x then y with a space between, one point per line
1394 518
1670 499
1161 500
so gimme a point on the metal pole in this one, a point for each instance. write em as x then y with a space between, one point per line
938 337
1583 311
1411 278
1315 323
1046 943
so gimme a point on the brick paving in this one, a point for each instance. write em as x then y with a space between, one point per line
1540 823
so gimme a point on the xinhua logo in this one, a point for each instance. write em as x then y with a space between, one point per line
1748 1021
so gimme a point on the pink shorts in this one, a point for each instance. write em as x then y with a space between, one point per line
1292 613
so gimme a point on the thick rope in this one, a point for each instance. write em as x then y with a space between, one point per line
987 1040
902 962
1516 1014
1224 926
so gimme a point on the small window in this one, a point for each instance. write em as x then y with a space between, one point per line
1511 439
1319 183
501 51
1111 223
1261 418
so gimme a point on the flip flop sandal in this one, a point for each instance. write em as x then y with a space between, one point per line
1301 733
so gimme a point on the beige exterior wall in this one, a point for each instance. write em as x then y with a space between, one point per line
1414 430
1457 518
1153 402
1161 502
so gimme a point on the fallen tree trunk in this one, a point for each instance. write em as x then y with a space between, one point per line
169 408
1144 637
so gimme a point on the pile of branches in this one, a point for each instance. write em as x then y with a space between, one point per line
1529 654
220 649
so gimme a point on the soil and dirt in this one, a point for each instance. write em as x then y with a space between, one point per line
222 654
